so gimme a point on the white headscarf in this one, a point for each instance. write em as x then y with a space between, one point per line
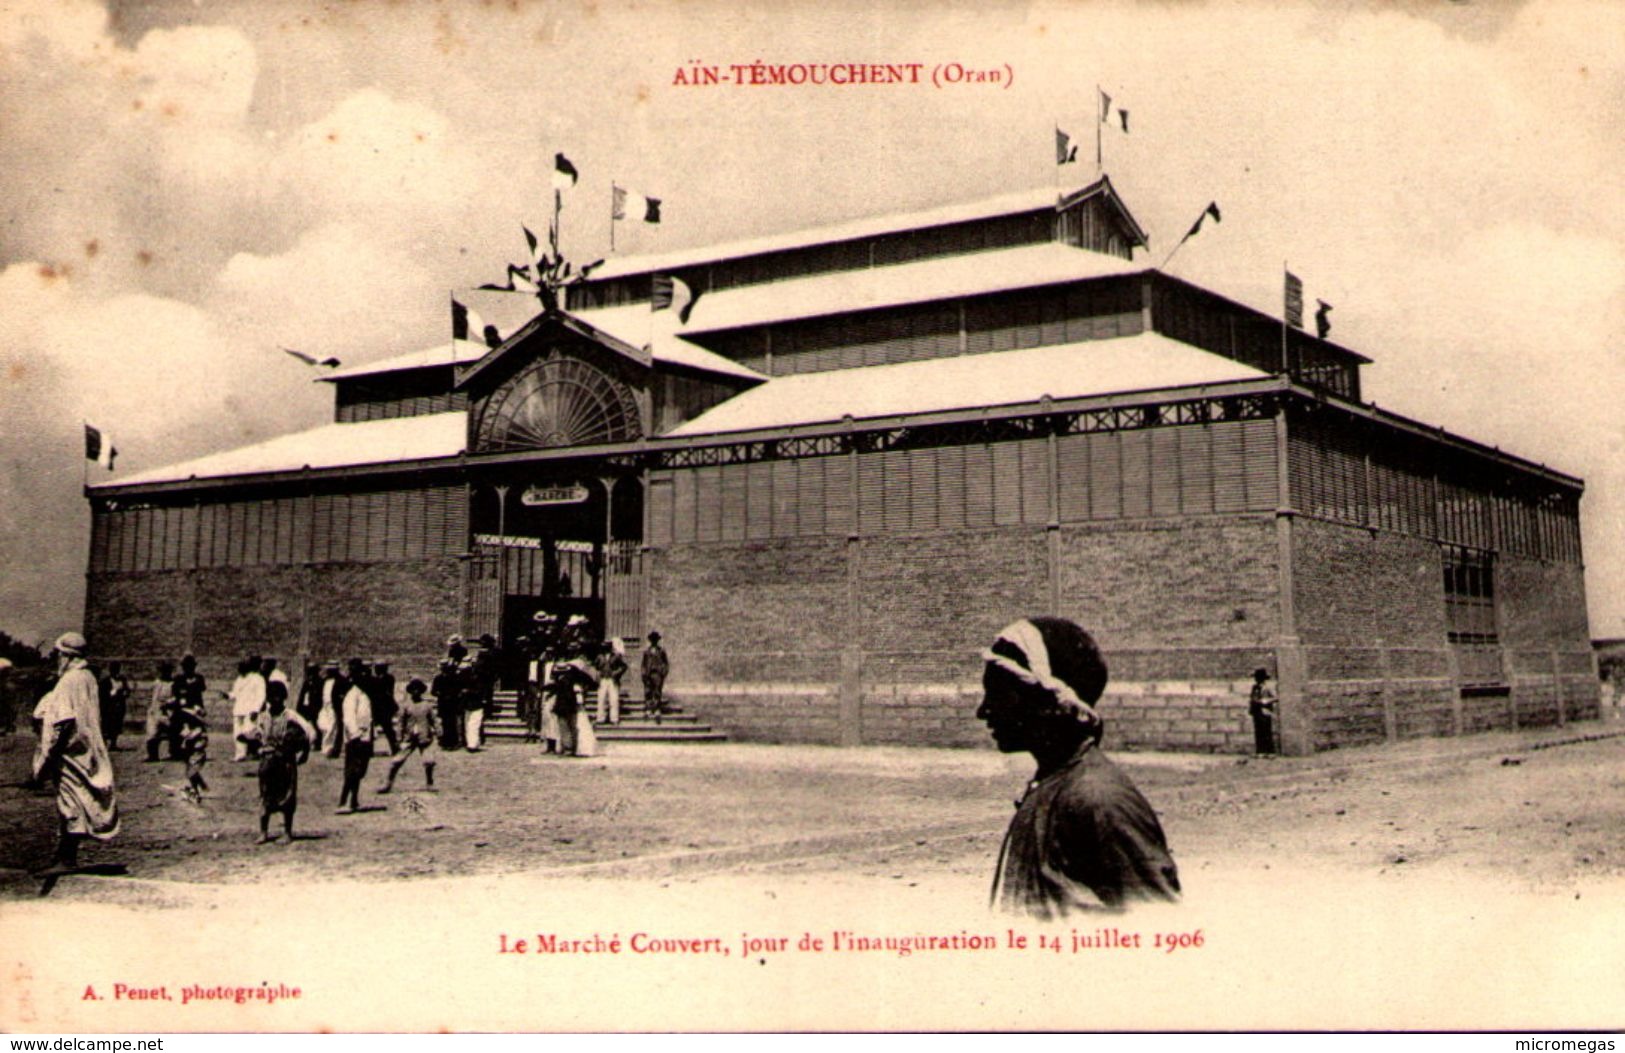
1026 637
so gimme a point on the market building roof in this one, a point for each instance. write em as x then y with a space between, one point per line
449 353
1147 361
866 226
342 445
895 285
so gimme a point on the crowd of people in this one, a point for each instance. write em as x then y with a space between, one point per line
1083 835
345 712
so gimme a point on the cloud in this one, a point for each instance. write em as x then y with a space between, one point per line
376 154
331 292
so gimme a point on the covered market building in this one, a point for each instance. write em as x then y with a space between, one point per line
831 475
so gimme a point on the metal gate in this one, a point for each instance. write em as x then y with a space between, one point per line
622 580
482 597
623 590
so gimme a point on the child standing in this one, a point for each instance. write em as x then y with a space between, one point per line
194 739
419 725
283 739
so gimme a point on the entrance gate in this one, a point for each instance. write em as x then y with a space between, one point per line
611 584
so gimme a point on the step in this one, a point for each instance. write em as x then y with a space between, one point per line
622 733
503 723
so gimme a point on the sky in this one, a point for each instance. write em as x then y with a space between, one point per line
188 186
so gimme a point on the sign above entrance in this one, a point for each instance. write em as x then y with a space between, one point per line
553 495
512 541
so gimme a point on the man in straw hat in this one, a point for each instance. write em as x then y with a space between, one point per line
73 753
1083 836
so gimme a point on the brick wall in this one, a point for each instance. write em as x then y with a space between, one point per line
767 712
769 611
1198 716
928 604
244 610
1353 587
1184 610
401 612
1541 605
1371 613
1203 584
1545 640
138 615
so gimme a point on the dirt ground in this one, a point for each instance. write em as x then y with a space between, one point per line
1473 883
1491 805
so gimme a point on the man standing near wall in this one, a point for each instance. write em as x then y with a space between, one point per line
1261 707
656 666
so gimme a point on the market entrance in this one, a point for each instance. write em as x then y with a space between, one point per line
564 544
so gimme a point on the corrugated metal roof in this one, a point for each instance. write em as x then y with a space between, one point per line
329 446
628 324
1002 378
919 281
868 226
637 325
450 353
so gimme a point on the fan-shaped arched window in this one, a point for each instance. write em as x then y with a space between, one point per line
558 402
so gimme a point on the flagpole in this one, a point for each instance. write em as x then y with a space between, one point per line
1164 265
1100 118
1285 269
1057 166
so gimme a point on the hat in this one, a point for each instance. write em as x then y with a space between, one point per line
454 639
71 644
487 640
331 663
416 686
382 663
654 637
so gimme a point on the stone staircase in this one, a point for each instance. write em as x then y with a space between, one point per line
502 722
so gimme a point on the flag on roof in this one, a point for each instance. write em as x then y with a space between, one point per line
1323 324
564 173
673 293
99 447
466 324
311 360
1294 300
1105 106
1211 210
1065 153
626 203
1123 116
